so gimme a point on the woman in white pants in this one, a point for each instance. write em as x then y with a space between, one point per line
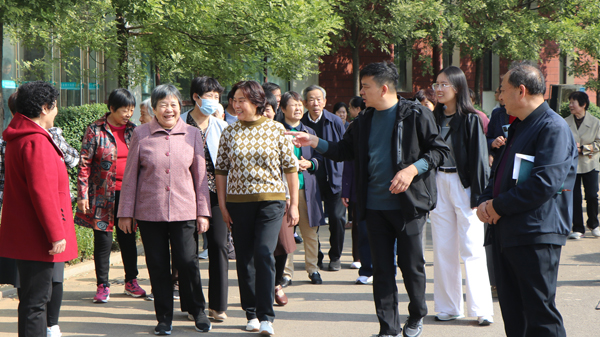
455 227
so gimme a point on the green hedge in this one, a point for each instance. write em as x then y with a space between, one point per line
593 109
74 121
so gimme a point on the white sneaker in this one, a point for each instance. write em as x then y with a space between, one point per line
442 316
575 236
266 328
355 265
485 320
203 255
364 280
596 232
253 325
53 331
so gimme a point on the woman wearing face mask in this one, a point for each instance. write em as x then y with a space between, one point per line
205 92
455 228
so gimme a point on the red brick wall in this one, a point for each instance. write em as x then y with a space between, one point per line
336 71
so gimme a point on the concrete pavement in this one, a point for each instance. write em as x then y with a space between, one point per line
338 307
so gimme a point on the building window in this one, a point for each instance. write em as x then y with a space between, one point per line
70 79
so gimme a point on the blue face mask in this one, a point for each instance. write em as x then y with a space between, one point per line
209 106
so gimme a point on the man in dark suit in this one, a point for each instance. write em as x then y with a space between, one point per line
530 216
329 176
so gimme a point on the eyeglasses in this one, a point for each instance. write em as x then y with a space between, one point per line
440 86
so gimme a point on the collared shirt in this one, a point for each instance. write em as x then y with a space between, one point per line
316 120
165 178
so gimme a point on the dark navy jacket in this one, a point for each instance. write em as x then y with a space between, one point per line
498 119
539 209
333 131
311 187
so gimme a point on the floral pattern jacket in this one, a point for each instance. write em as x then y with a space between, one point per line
97 177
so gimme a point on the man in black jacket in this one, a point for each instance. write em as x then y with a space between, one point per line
394 192
532 214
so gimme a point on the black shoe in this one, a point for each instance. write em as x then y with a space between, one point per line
315 278
413 327
298 238
335 265
320 260
286 281
203 323
163 329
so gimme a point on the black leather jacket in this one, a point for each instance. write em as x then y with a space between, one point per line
415 136
469 146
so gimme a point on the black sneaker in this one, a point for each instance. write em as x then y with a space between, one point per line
297 238
335 265
149 297
203 323
315 278
286 281
413 327
163 329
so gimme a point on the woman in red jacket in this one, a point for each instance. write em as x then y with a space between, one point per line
37 222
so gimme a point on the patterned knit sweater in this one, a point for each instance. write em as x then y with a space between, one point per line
252 155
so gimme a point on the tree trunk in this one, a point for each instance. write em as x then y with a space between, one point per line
1 65
478 72
122 36
157 75
436 61
598 89
356 70
266 71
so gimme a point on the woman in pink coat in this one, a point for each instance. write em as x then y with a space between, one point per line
37 221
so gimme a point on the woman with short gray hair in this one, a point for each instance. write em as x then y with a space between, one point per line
146 112
165 170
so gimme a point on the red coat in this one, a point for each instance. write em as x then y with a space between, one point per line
37 206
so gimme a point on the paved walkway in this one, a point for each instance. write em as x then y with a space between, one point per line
338 307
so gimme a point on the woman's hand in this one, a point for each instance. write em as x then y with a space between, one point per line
346 202
83 205
287 205
125 224
304 164
202 224
58 247
293 215
226 217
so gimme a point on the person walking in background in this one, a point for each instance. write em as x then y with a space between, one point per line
104 151
456 231
252 153
309 196
329 176
394 193
205 92
426 97
146 113
163 148
586 131
286 245
340 109
361 250
37 227
530 217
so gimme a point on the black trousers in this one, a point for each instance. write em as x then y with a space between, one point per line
590 186
337 219
34 295
384 228
218 262
157 236
102 245
256 227
526 279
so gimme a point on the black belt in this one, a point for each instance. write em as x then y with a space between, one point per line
447 170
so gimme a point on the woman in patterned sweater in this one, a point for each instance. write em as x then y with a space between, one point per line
251 193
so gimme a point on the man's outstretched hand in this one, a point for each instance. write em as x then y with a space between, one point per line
303 139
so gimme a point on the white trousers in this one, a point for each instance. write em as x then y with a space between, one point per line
457 231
